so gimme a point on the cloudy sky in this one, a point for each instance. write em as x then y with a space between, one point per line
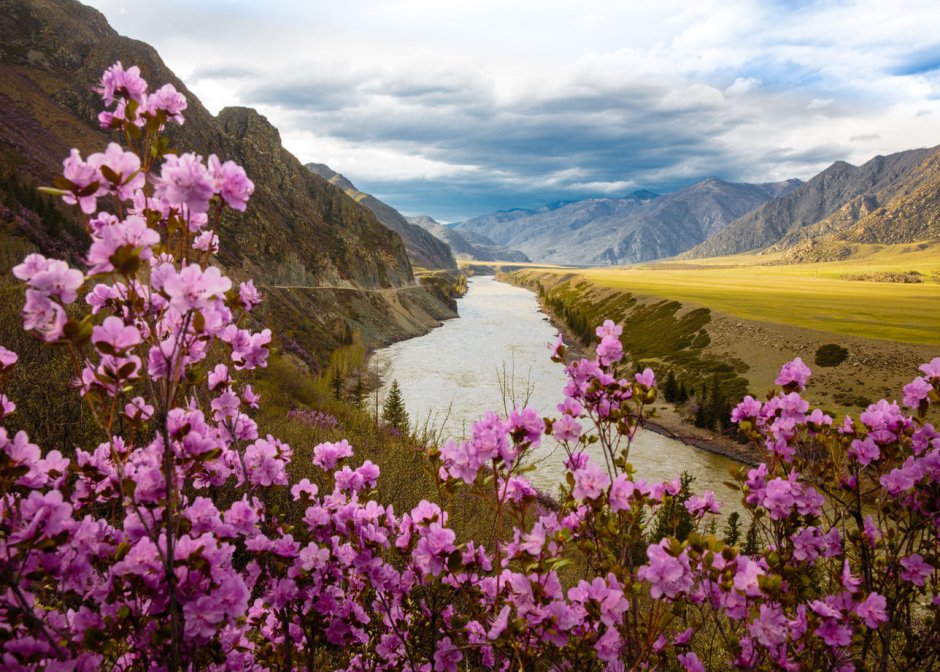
455 108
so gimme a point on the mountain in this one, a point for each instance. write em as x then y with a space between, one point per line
468 246
325 262
424 249
837 200
640 227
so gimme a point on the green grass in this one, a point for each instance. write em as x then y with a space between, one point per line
813 296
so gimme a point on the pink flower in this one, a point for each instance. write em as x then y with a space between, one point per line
248 295
566 428
699 506
609 350
447 656
218 376
116 81
621 492
770 626
138 409
8 358
931 370
113 337
779 498
609 329
873 610
668 575
864 452
517 489
434 546
132 232
326 455
526 426
167 99
793 374
193 288
50 277
915 569
184 180
231 183
303 487
7 407
834 634
250 398
647 378
124 168
916 391
42 315
590 482
690 662
87 183
263 463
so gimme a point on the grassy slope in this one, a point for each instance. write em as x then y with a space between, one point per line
813 296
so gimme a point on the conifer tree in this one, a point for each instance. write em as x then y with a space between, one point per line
393 410
671 390
337 383
359 393
733 529
682 395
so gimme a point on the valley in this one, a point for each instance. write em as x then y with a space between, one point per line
761 315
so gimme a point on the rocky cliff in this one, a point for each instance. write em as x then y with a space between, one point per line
424 249
323 259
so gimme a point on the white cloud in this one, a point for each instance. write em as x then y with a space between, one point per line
557 97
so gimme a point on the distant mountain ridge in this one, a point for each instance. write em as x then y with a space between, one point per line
640 227
889 199
468 246
424 249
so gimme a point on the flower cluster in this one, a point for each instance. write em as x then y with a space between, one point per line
179 541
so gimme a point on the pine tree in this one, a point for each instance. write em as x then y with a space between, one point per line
733 529
670 389
359 393
682 395
337 383
393 410
752 540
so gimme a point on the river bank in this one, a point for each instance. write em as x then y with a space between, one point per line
667 421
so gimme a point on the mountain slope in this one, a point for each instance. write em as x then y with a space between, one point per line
470 247
424 249
299 230
640 227
842 185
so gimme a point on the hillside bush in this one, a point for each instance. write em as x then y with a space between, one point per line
179 542
830 354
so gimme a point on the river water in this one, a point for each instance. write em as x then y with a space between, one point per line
496 353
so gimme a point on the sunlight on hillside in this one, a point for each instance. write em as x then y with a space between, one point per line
814 296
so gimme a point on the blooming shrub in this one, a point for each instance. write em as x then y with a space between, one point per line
123 556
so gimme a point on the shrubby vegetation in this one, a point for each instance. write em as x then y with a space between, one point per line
830 354
182 538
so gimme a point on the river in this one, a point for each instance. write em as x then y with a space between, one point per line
450 377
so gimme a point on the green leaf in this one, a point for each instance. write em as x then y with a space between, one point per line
110 175
121 551
65 184
54 192
89 189
126 259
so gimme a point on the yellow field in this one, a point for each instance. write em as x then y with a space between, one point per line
814 296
